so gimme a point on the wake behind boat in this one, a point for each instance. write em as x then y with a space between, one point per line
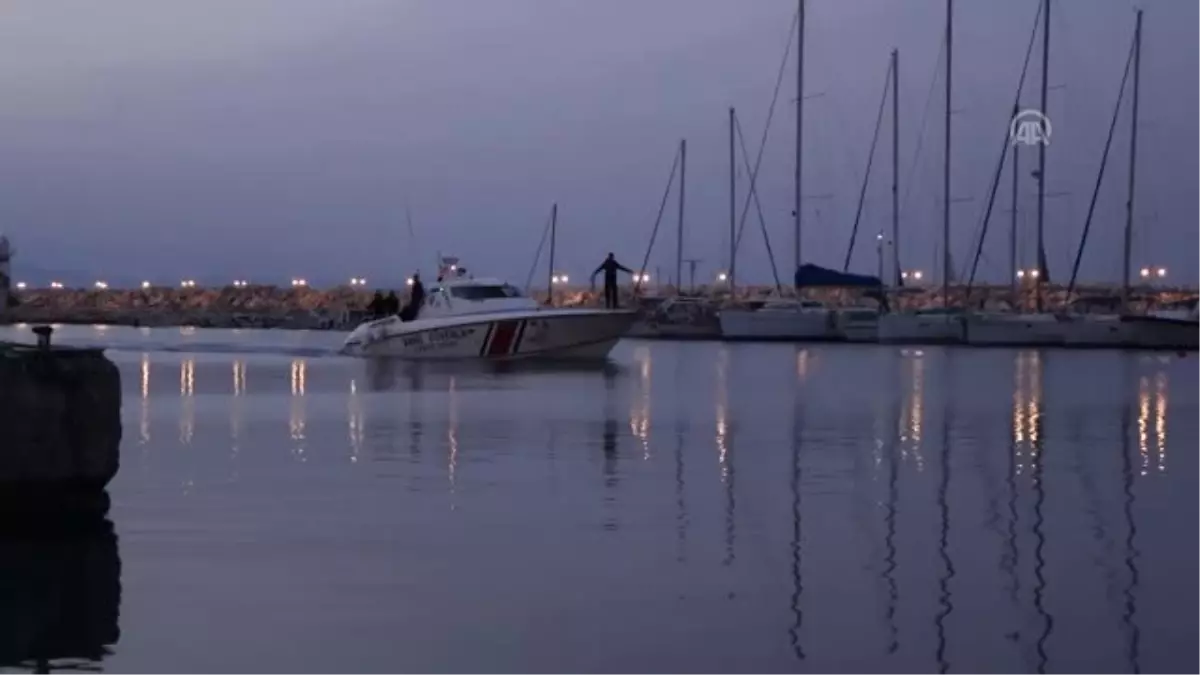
491 320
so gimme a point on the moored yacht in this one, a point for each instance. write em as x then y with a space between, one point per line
488 319
779 319
933 326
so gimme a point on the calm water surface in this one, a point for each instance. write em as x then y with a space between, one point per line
692 507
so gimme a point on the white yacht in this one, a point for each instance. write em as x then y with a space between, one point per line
779 319
489 319
1172 326
858 324
934 326
1003 329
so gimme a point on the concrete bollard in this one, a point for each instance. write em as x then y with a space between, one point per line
60 423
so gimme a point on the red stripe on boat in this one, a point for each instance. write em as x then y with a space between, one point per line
520 334
502 338
487 337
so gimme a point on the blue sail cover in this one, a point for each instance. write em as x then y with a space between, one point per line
813 275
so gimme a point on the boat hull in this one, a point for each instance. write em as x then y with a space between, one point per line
740 324
858 326
917 329
1150 332
1013 330
551 335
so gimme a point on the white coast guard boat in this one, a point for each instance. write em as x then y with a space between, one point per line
489 319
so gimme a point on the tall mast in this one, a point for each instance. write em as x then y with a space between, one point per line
679 237
1012 227
1137 68
732 201
895 164
1041 196
946 160
799 126
553 236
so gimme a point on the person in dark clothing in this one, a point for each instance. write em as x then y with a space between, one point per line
416 298
376 306
610 266
391 304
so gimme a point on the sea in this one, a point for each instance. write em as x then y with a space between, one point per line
686 507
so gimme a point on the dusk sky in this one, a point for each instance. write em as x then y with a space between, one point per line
267 139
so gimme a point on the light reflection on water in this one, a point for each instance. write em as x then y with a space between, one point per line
890 509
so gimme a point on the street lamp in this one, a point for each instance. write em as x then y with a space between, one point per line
408 281
722 277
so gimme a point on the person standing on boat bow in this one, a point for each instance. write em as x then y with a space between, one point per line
415 298
610 266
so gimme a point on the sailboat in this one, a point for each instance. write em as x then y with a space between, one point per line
794 318
1036 328
942 325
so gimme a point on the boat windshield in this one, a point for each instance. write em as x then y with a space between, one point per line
479 292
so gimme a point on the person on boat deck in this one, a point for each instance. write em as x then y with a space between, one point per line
376 306
610 267
391 304
416 297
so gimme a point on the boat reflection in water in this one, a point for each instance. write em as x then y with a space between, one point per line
60 589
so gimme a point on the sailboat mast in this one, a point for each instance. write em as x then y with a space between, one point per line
1041 196
732 200
1137 69
679 242
799 128
946 159
1012 226
553 244
896 164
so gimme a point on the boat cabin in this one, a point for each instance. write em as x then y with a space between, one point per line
473 296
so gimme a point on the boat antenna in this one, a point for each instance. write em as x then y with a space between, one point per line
553 244
657 221
762 143
762 221
1133 123
946 264
862 194
1043 272
1112 127
538 254
1003 154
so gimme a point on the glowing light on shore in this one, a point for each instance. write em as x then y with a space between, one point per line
299 282
240 283
408 281
722 277
20 285
145 284
641 278
358 281
56 284
101 285
559 279
188 283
